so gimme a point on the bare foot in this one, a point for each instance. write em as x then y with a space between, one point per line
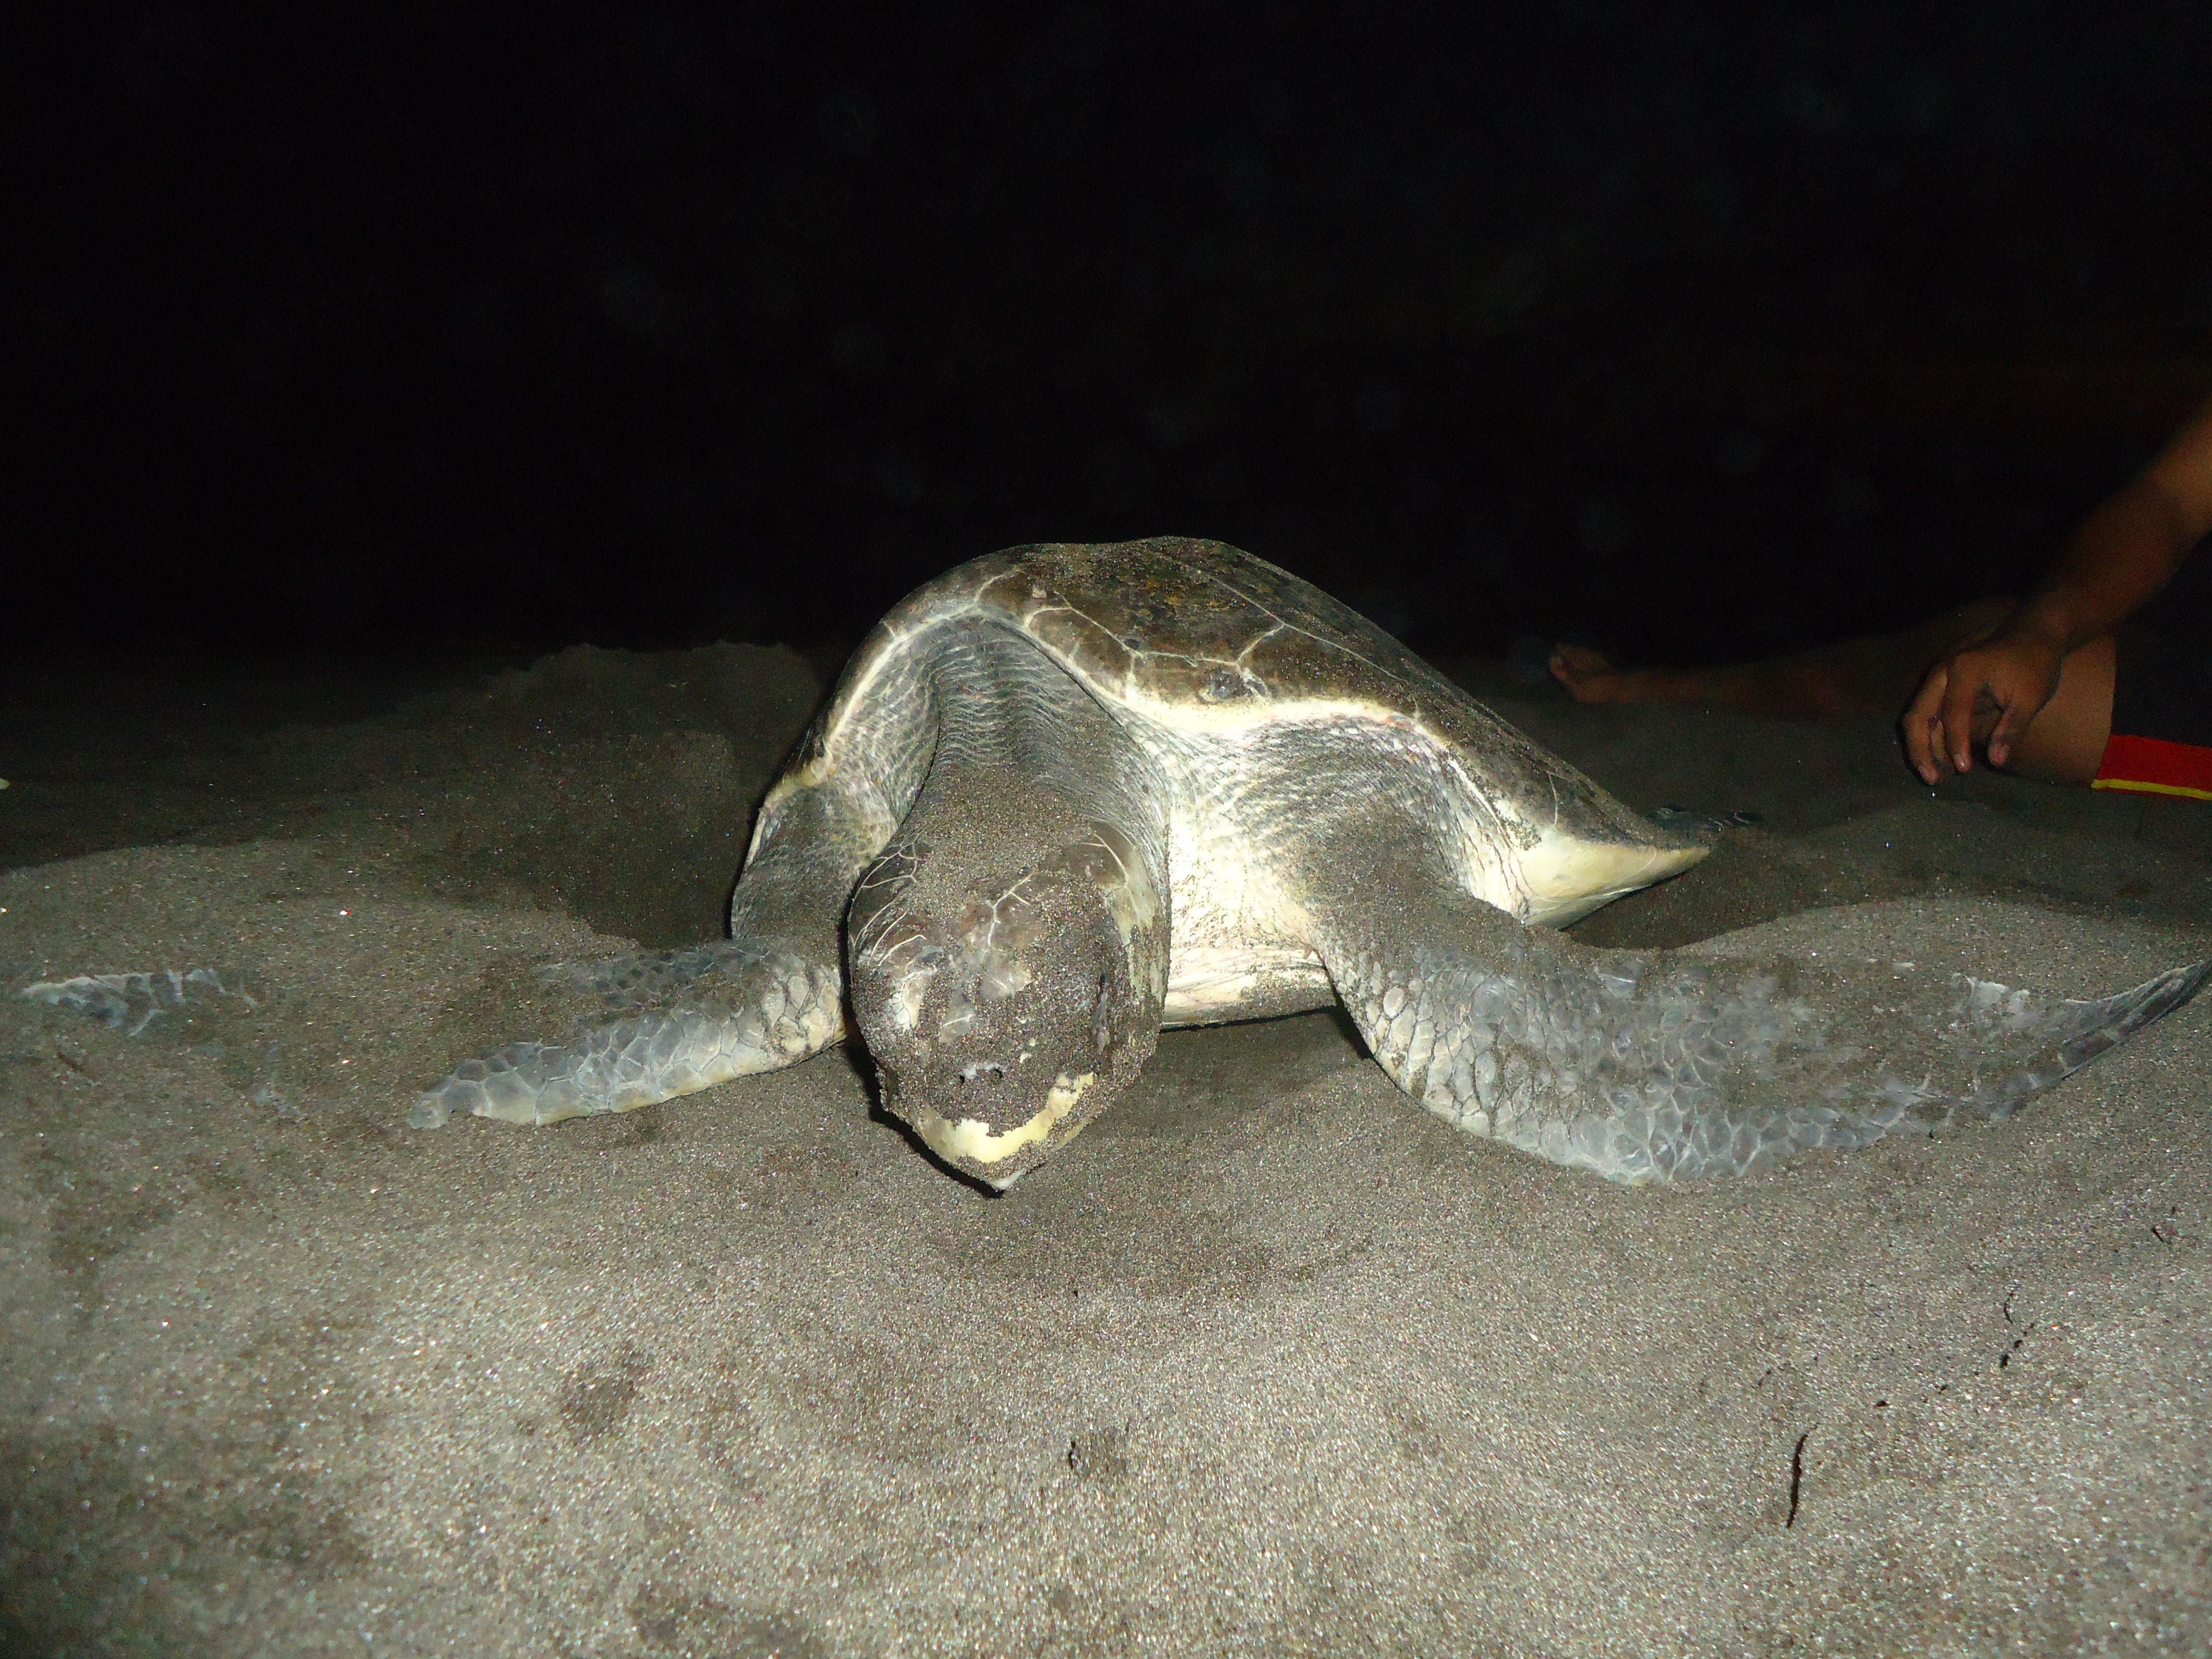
1590 676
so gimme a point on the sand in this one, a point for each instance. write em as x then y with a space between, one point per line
1269 1362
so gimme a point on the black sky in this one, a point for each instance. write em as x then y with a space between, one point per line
1692 330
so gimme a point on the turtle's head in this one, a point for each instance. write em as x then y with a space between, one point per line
1005 1008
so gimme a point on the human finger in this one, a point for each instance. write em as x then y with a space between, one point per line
1959 699
2020 691
2012 720
1922 730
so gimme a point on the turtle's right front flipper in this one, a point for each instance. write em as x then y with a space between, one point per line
721 1010
770 995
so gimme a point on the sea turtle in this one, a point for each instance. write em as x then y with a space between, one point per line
1065 795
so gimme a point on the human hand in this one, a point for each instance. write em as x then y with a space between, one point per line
1985 692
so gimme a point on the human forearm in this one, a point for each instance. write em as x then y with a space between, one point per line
2123 553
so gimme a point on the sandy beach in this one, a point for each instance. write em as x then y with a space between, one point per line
1270 1362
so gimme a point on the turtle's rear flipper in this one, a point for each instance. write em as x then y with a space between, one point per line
1657 1066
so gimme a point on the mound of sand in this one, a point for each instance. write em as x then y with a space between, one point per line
1269 1362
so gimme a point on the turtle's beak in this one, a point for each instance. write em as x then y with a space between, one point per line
1000 1157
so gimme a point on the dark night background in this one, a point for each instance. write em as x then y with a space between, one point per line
1690 330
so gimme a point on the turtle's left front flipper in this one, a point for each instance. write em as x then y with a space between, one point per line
1657 1066
134 1003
